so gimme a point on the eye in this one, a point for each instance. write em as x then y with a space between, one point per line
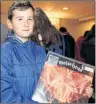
20 19
30 19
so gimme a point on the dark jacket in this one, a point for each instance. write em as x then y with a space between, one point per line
88 53
56 46
70 46
78 48
21 66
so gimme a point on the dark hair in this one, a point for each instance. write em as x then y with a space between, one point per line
19 5
62 29
44 27
93 29
86 33
91 33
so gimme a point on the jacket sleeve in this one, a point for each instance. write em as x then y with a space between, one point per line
8 92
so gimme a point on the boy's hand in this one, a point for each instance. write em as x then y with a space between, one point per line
89 91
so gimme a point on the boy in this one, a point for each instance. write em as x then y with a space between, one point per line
21 59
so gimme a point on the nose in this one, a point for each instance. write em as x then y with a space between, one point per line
26 24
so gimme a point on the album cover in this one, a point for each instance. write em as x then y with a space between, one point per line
63 80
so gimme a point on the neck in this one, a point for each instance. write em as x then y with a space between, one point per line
22 39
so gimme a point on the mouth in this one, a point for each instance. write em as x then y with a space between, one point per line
25 30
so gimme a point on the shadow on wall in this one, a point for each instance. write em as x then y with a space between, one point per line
4 32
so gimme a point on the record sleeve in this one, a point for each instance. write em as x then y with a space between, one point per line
63 80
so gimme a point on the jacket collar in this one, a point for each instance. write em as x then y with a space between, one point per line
12 38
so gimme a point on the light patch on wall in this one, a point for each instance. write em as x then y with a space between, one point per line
58 14
55 22
65 8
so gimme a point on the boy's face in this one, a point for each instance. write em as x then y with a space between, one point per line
22 23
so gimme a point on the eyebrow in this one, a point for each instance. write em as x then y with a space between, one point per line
22 17
19 17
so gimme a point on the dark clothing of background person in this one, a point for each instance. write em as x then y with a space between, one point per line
78 46
88 53
70 46
69 43
56 47
88 47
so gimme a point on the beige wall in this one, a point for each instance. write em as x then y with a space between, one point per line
4 18
85 25
55 22
76 28
71 25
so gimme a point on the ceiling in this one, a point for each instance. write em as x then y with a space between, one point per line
77 9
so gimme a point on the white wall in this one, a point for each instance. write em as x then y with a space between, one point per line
85 25
71 25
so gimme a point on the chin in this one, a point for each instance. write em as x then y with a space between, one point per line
26 35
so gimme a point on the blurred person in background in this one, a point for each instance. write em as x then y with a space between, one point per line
88 53
78 47
88 47
69 42
46 34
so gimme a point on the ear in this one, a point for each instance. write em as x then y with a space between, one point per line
9 24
